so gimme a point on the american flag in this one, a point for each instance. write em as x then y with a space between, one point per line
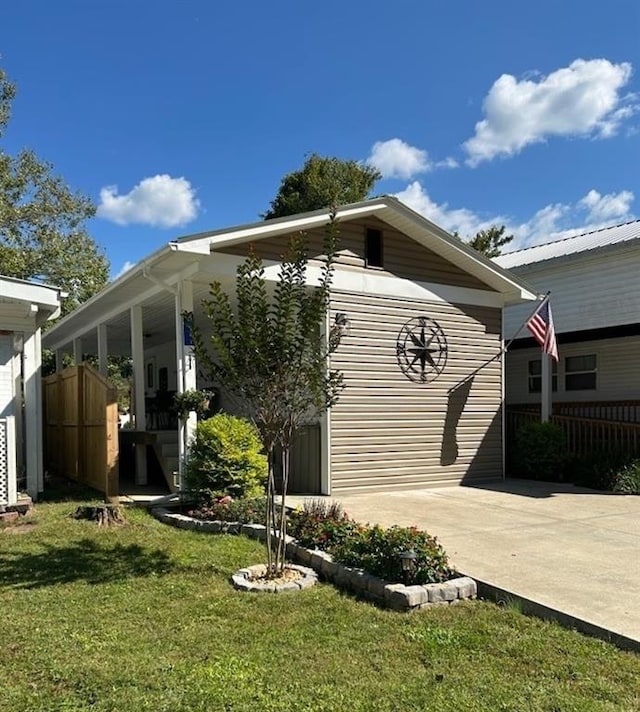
541 326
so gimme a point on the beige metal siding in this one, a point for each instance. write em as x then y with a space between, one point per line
403 256
389 432
618 376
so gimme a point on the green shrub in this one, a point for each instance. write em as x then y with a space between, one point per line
248 510
627 478
540 452
321 525
326 526
377 551
607 471
225 459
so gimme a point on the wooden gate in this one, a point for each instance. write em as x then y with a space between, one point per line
81 428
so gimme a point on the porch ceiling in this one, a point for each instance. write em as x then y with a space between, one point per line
158 319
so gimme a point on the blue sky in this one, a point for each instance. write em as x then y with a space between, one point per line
178 117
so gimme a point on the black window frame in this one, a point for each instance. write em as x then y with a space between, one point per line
581 379
373 248
534 380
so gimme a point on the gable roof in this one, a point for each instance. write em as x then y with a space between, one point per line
182 258
388 209
584 242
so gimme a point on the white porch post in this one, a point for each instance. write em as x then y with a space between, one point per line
546 373
33 413
77 351
186 369
139 410
59 360
102 349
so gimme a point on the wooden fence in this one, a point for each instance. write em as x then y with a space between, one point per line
81 428
585 434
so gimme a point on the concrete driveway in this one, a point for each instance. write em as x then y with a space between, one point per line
571 549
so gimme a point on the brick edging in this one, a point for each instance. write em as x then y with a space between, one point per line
391 595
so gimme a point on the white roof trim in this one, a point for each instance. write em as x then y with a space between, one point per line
172 258
41 300
272 228
428 234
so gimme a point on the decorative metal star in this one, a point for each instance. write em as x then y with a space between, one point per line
424 358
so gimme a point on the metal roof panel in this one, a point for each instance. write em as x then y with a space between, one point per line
572 245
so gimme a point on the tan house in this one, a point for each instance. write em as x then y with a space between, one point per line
422 312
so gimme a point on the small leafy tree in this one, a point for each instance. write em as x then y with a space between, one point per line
322 182
270 354
490 242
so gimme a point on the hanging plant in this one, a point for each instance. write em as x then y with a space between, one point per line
192 400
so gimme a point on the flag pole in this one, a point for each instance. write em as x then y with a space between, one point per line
503 350
541 303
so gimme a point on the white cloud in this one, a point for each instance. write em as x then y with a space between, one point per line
582 99
606 207
448 162
125 268
160 201
396 159
460 220
552 222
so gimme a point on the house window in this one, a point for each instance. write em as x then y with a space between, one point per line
535 376
580 373
373 248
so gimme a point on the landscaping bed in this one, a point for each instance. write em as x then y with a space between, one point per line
389 594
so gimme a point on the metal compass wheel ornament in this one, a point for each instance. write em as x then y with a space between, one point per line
421 349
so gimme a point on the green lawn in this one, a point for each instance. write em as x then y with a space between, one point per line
143 618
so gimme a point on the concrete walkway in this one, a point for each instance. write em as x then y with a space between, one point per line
571 549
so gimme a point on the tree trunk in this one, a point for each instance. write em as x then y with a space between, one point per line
271 496
104 515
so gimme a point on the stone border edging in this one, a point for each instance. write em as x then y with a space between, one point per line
391 595
244 579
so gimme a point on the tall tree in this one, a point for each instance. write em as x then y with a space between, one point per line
490 242
42 222
269 353
322 182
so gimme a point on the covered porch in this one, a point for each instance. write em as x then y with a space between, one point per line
141 315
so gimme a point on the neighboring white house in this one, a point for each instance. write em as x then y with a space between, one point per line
594 280
424 311
24 308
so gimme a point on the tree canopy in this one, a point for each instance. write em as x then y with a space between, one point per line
322 182
42 222
490 242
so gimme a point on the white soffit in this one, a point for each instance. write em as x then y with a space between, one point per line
41 301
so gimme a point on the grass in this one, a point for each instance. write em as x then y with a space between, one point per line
143 618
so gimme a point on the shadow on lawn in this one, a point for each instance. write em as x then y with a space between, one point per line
83 561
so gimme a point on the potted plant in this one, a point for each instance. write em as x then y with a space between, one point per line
192 400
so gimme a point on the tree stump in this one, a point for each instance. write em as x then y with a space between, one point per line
104 515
